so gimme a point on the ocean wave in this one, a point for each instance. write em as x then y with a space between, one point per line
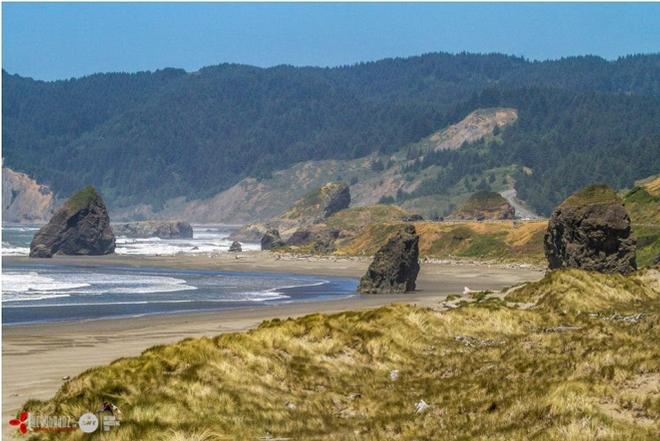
302 285
10 250
22 297
257 296
30 286
206 240
171 247
13 282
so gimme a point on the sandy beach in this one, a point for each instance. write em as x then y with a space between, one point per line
36 359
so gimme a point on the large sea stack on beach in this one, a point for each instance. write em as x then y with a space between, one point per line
591 230
79 227
395 266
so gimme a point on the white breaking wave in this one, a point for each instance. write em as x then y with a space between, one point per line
8 250
206 240
34 282
30 286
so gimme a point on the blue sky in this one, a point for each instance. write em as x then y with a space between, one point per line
63 40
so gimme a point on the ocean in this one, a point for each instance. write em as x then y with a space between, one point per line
35 291
206 239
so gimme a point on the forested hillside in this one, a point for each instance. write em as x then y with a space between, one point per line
149 137
564 140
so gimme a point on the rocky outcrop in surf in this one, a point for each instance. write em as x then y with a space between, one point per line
271 239
395 265
235 247
161 229
591 230
79 227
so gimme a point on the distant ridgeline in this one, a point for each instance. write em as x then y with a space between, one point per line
149 137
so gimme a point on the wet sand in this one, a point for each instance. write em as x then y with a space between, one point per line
37 358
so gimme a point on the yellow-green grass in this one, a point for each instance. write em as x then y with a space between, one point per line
355 218
580 364
592 194
483 200
648 244
505 241
643 206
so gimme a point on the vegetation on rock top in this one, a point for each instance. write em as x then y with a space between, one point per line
592 194
83 198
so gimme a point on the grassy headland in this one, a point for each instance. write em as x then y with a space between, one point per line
507 241
571 357
643 205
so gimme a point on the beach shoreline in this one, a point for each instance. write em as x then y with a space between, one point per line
37 358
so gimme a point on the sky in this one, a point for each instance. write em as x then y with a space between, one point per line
50 41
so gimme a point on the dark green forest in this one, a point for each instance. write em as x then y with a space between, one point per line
151 136
568 141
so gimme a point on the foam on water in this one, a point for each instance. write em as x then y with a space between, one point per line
9 250
206 240
31 286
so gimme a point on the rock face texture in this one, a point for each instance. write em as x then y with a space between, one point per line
310 210
79 227
591 230
485 205
472 128
271 240
395 266
235 247
320 203
24 200
161 229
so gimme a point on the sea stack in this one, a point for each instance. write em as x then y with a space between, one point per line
591 230
271 240
395 266
79 227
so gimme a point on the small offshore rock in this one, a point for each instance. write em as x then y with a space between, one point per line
235 247
271 240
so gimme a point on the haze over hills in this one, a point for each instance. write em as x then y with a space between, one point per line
146 139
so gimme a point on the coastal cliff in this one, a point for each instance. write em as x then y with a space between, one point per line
24 200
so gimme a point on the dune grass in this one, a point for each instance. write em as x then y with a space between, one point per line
572 357
500 241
